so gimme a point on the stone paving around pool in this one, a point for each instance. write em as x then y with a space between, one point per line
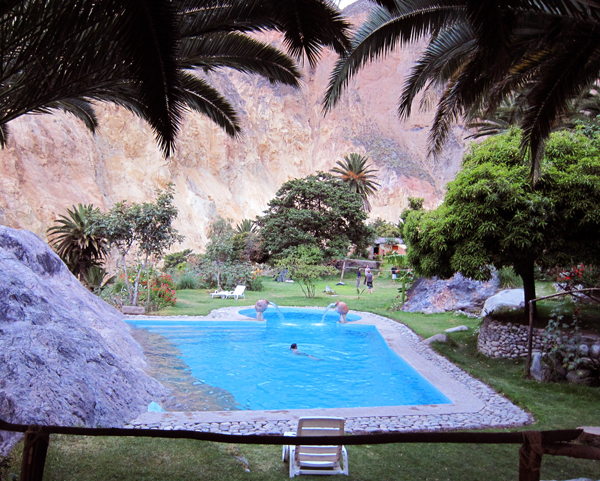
474 404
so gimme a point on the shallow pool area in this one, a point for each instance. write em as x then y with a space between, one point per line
342 365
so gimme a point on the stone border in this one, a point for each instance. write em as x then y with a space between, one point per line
474 404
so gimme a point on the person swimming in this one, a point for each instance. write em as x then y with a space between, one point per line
294 349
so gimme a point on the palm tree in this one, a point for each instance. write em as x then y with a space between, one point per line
65 54
354 170
76 241
482 52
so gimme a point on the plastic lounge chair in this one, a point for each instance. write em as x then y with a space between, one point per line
237 293
221 294
317 459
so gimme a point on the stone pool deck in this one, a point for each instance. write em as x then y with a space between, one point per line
474 404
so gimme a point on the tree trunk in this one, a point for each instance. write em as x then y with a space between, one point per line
147 284
525 270
343 269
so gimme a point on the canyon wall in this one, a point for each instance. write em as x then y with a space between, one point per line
52 162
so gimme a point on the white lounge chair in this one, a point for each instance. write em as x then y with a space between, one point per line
237 293
220 294
317 459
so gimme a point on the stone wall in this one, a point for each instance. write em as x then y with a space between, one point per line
506 340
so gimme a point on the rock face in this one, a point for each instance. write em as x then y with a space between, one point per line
458 293
66 357
53 162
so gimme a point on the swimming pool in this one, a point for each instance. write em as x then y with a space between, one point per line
351 364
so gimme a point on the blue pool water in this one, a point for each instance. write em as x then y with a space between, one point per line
356 367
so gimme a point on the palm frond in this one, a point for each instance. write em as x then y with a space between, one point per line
379 35
78 107
203 98
241 53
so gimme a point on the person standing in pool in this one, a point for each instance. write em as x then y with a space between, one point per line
294 349
358 278
369 280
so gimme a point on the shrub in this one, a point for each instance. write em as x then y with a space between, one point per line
187 281
509 278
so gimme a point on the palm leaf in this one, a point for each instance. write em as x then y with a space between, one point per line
240 53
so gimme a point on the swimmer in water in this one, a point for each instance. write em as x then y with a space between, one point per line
294 349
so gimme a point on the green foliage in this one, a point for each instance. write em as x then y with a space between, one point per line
76 240
355 172
95 277
246 226
304 268
247 247
187 281
148 228
561 349
176 258
318 211
398 260
384 228
508 278
492 217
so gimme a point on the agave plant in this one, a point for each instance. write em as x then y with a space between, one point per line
76 241
246 225
360 178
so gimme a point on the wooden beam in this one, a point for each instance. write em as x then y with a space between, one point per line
34 454
384 438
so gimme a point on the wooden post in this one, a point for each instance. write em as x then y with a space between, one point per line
530 456
34 454
529 340
343 269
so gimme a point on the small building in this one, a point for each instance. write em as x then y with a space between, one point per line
387 245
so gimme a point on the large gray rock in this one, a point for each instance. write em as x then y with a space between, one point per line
505 301
66 357
458 293
538 370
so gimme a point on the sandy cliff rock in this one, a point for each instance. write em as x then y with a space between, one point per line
53 162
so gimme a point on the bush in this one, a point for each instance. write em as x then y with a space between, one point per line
187 280
231 275
509 278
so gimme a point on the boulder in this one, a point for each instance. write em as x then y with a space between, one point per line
595 351
538 370
66 357
504 301
457 329
458 293
436 338
579 376
135 310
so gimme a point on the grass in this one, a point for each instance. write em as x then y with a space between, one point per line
554 406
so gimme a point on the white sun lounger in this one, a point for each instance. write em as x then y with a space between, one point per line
317 459
237 293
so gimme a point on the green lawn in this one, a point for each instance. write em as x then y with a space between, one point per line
555 406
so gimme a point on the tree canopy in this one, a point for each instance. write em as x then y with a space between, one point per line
359 176
317 210
492 217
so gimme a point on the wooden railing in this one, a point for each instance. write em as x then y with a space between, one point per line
534 444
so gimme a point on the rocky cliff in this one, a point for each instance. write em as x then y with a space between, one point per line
53 162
